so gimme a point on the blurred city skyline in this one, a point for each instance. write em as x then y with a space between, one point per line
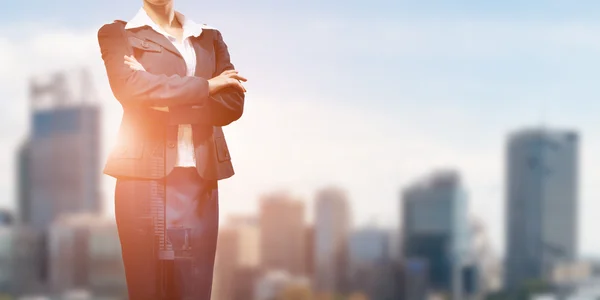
383 103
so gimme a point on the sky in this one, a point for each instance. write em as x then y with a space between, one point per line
366 95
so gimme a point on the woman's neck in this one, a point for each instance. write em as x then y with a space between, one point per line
162 15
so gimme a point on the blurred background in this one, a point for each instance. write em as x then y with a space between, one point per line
410 150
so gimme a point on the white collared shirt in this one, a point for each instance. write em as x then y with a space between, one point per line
185 143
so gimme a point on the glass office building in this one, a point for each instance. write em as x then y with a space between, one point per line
435 226
541 204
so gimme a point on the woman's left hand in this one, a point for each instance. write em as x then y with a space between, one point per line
133 63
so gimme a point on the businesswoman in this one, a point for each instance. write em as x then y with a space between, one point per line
178 88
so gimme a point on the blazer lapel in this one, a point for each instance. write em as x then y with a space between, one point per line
147 33
205 55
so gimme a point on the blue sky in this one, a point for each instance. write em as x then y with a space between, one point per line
534 9
368 95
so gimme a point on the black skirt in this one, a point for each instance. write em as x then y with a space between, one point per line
168 246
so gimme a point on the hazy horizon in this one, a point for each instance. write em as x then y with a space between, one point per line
370 96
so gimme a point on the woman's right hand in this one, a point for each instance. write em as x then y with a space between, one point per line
229 78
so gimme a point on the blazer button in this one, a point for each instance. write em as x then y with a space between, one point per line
171 145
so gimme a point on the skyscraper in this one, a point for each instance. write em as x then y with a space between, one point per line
332 226
85 253
436 227
59 163
370 268
19 262
238 259
310 251
6 217
282 234
368 246
541 211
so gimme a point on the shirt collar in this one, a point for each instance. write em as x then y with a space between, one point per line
190 28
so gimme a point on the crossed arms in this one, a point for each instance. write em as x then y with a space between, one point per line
217 101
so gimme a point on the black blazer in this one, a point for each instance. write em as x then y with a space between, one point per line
146 146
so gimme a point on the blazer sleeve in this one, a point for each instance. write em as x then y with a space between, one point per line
229 104
222 108
140 88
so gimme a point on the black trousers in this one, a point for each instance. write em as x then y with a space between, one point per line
187 208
